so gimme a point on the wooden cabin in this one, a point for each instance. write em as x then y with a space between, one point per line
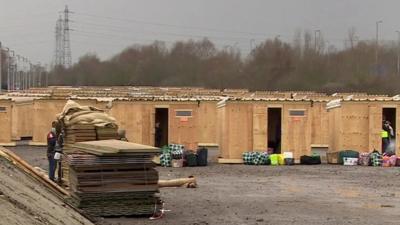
356 123
258 124
182 121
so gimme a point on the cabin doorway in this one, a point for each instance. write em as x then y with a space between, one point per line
275 129
388 124
161 127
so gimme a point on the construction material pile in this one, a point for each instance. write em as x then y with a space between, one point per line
86 123
114 178
176 155
265 158
79 133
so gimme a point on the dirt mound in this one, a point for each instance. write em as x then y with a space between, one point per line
26 201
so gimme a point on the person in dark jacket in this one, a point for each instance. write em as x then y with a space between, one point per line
51 149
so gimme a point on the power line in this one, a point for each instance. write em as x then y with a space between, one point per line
265 35
107 36
186 35
172 25
102 35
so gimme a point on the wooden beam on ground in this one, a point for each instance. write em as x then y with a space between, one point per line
181 182
230 161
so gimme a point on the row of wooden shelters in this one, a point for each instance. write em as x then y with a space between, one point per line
236 120
183 120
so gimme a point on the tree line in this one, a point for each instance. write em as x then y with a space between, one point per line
305 64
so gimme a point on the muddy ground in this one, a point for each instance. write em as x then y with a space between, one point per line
305 195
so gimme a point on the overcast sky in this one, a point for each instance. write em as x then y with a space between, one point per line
105 27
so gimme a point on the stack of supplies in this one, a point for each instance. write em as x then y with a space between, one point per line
114 178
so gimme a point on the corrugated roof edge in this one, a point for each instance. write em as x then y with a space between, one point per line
152 98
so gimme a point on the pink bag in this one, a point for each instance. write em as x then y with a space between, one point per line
393 160
386 161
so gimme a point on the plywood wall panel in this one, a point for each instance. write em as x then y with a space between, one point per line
296 130
5 121
260 127
207 126
319 124
355 127
148 124
241 129
184 130
375 127
223 132
129 116
22 123
335 129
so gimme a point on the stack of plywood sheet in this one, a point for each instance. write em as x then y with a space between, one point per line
114 178
106 133
79 133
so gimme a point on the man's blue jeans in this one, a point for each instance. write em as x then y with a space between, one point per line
52 166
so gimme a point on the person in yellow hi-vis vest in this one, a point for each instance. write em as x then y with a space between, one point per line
386 134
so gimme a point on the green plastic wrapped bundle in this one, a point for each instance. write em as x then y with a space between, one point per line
248 158
165 159
376 158
256 158
261 159
165 149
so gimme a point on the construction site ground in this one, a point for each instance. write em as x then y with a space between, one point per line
240 194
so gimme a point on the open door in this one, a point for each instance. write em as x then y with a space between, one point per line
389 125
275 129
161 127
